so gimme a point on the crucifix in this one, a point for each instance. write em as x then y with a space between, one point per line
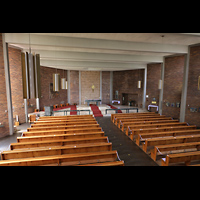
93 87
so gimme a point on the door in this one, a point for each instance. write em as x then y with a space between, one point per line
124 99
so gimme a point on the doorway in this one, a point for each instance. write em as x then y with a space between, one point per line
124 99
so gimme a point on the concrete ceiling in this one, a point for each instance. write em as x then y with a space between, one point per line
102 51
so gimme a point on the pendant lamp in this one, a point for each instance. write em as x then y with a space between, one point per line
63 83
66 85
56 82
139 84
160 84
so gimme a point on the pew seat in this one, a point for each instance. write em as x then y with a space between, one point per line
181 157
49 151
64 160
172 147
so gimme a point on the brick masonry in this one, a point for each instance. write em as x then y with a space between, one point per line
74 87
46 74
88 78
173 82
193 94
3 98
126 82
153 77
105 87
16 83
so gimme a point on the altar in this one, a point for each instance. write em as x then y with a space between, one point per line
93 100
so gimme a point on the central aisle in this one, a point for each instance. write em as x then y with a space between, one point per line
126 148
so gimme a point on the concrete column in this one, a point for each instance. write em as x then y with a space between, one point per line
37 103
8 86
161 91
144 88
101 86
26 110
184 88
111 86
79 87
68 86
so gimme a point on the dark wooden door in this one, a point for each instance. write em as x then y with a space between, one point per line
124 99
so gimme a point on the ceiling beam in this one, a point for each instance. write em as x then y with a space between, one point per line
98 57
23 38
87 65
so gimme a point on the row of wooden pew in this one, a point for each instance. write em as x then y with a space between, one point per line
62 141
162 137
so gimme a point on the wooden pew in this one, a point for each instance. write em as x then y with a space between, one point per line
52 123
173 147
143 137
181 157
128 114
60 136
149 122
64 160
50 151
117 120
33 129
152 130
116 163
62 131
124 123
170 140
68 117
62 142
134 129
64 120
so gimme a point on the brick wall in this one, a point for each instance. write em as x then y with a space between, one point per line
105 87
193 94
173 82
153 76
88 78
3 98
46 74
16 83
126 82
74 87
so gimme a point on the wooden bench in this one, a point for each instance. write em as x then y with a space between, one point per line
50 151
64 160
143 137
64 120
60 136
134 129
124 123
162 129
173 147
68 117
52 123
62 127
116 163
62 142
62 131
181 157
117 120
169 140
128 114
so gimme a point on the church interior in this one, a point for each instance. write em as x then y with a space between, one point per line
100 99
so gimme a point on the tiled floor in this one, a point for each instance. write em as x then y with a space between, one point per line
5 141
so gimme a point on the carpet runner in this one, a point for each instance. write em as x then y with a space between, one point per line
72 107
96 111
113 107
